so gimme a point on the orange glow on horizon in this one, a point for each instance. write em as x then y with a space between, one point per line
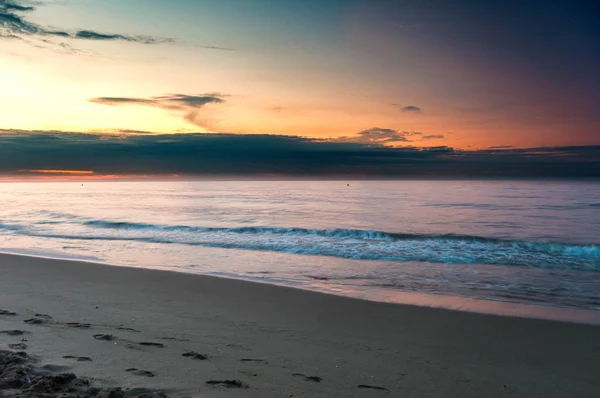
75 172
57 176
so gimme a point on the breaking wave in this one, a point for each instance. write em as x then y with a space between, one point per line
343 243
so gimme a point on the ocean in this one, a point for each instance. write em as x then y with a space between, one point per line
529 248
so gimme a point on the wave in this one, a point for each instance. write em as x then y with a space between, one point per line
337 233
550 247
342 243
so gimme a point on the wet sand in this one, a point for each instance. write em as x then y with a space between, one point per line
187 335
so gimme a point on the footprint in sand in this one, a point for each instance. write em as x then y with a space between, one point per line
139 372
35 321
150 344
133 347
128 329
172 339
195 355
14 332
78 359
106 337
315 379
79 325
373 387
6 312
18 346
228 383
254 360
248 373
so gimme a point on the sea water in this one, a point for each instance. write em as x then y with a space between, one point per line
443 243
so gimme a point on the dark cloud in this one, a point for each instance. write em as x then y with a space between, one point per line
16 7
411 108
379 136
190 105
128 131
117 101
228 154
172 101
88 34
13 25
112 132
57 33
91 35
432 137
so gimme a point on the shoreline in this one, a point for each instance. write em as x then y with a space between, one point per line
278 341
387 296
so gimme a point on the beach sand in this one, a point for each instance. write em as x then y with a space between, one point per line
127 327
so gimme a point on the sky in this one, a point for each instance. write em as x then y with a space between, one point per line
472 77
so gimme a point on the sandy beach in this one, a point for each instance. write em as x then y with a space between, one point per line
152 331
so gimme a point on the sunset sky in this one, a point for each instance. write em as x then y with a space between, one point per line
469 75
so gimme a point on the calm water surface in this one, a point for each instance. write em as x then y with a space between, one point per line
511 242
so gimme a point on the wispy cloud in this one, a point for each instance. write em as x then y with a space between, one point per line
14 24
379 136
171 101
91 35
432 137
218 48
190 105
